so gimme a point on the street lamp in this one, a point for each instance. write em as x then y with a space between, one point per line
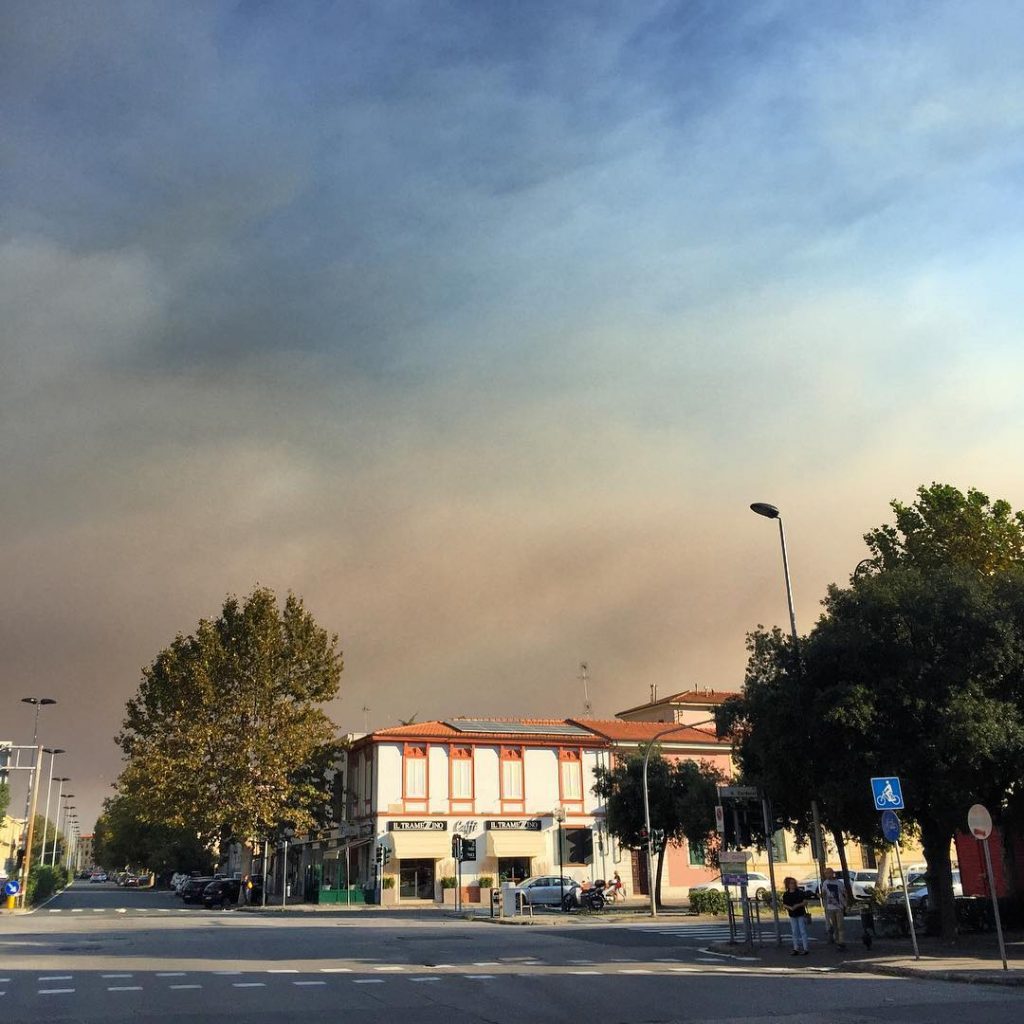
37 702
771 512
647 803
53 856
53 752
559 815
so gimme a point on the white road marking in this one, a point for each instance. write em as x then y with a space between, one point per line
54 991
55 977
486 963
248 984
99 910
55 911
581 961
124 988
282 970
76 910
309 982
171 974
227 973
115 975
585 972
185 986
121 910
480 977
368 981
335 970
635 970
432 977
390 967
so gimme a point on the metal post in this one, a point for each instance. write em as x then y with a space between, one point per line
744 902
284 876
266 874
561 868
33 801
46 813
995 902
906 903
53 852
769 833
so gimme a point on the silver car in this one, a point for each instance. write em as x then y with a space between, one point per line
547 890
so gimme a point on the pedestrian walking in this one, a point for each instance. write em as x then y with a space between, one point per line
794 899
833 892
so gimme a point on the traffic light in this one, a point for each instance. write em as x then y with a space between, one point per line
469 849
658 840
457 848
382 855
643 834
730 836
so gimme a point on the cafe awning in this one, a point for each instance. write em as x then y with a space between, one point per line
421 845
515 843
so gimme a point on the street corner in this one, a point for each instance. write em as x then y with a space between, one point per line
963 971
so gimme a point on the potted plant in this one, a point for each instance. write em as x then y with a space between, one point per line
448 883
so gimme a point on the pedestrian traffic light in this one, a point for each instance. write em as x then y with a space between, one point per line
457 848
382 855
658 840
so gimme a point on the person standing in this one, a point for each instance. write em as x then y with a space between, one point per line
794 900
834 896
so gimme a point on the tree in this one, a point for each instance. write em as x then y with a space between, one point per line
225 736
5 798
682 797
122 839
915 669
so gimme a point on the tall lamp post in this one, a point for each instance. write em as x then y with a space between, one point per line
69 815
37 702
53 752
647 802
762 508
559 815
61 779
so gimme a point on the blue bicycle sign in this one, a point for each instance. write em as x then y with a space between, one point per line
887 793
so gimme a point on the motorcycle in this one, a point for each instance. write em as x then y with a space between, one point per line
591 898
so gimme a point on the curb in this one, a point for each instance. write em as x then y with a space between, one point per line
1003 978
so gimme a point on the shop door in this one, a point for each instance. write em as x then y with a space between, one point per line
416 879
513 869
640 872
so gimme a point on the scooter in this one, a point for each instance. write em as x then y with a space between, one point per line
592 898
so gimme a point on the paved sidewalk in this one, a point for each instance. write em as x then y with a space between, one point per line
975 959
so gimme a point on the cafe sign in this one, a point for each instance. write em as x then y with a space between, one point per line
436 825
513 824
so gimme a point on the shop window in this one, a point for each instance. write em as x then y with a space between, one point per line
512 774
415 772
579 845
461 761
779 847
570 776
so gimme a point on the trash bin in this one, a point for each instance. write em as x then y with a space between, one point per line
509 895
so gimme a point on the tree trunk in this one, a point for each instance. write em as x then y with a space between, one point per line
837 837
657 877
883 871
935 841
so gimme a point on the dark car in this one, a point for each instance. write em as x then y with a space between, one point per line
222 892
192 891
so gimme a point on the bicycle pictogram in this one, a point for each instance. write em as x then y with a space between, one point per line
887 794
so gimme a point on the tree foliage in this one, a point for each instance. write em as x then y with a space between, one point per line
121 839
682 797
5 798
915 669
225 736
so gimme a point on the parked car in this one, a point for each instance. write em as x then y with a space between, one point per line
192 890
131 881
758 885
917 892
862 883
222 892
546 890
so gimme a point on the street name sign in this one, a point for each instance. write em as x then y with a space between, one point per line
738 792
887 793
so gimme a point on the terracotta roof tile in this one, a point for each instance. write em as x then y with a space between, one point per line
617 731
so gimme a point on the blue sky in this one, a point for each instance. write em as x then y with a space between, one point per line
480 325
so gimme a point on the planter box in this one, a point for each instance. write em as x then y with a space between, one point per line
448 897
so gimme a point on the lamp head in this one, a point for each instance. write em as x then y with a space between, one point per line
54 750
762 508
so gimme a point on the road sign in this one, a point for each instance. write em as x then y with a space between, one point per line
979 821
738 792
12 888
887 793
891 826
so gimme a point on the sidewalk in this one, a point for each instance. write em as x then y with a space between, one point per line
975 959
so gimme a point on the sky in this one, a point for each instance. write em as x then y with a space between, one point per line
479 325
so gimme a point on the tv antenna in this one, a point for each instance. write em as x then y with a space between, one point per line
588 708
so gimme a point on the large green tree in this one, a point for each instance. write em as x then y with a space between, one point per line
122 839
682 797
915 669
226 736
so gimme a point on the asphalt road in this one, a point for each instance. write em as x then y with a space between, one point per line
102 953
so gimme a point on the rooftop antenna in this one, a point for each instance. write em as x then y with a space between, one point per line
588 708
